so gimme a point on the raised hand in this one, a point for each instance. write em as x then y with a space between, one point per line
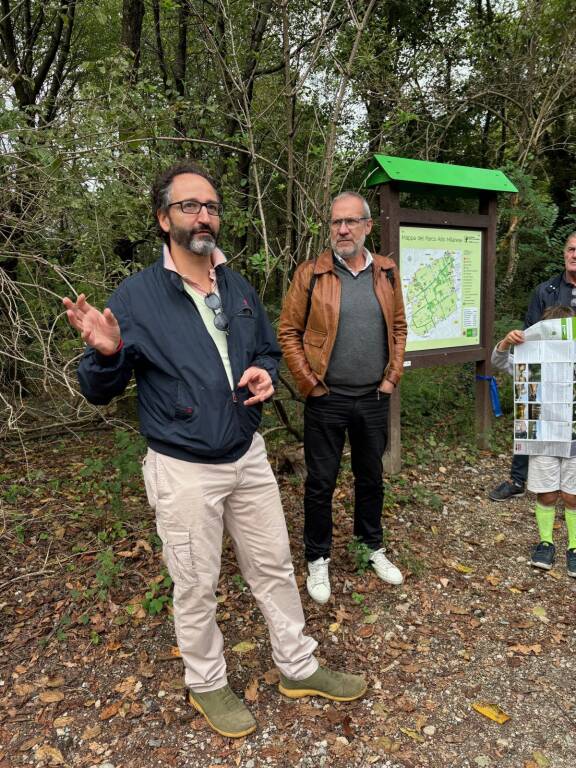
259 383
98 329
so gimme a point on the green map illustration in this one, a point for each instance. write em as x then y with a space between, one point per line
431 294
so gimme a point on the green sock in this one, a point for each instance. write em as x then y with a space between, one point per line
545 519
570 517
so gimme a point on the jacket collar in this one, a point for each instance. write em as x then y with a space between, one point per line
325 262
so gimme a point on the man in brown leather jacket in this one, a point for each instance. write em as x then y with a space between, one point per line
343 332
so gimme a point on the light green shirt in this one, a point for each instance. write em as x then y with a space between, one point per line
220 337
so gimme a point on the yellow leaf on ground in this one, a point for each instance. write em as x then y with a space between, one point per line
413 735
499 537
540 759
52 755
540 612
244 647
462 568
491 711
386 744
334 627
50 697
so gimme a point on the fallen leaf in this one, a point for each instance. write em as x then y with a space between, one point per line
499 538
386 744
110 711
91 731
413 735
244 647
53 682
540 612
51 754
127 685
462 568
272 676
175 652
50 697
493 579
366 631
371 618
23 689
526 650
491 711
251 691
334 627
62 722
540 759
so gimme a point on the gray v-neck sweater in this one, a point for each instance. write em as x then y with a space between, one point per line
360 352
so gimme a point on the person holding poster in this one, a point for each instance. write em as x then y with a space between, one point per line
559 291
551 478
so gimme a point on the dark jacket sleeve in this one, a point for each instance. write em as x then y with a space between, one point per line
267 352
103 377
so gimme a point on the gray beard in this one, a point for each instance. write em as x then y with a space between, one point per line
203 246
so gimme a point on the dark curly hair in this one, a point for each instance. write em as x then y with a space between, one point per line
161 188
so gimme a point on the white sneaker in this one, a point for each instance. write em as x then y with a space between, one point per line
384 569
318 583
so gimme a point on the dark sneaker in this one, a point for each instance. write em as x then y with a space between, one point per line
543 555
337 686
571 562
224 712
507 490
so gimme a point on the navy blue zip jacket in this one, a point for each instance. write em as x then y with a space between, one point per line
550 293
186 407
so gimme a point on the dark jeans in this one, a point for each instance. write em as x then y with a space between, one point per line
326 421
519 470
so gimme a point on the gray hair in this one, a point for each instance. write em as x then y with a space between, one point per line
570 236
365 206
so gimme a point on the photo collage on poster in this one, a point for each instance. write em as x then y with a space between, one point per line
545 401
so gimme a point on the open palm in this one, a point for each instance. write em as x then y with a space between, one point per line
98 329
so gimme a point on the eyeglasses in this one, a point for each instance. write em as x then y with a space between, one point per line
212 301
195 206
350 223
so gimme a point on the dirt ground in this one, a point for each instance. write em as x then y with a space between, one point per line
90 676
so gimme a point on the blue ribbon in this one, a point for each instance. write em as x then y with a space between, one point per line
494 395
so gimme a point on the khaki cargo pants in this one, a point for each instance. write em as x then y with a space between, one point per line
193 504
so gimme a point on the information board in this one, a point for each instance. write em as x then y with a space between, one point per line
440 271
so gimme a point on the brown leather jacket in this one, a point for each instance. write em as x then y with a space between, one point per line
307 350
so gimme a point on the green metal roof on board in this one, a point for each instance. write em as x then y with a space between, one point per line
410 173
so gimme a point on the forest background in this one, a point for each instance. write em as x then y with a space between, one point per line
285 103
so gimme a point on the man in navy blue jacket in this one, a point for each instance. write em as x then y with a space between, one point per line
204 355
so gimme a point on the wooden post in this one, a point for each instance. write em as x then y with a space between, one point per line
483 368
389 245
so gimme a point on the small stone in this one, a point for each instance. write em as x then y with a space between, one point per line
155 742
429 730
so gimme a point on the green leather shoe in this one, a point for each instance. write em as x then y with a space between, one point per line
224 712
338 686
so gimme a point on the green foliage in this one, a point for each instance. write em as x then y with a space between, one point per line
360 554
158 596
239 582
108 572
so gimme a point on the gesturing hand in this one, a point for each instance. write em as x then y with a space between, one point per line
258 382
98 329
